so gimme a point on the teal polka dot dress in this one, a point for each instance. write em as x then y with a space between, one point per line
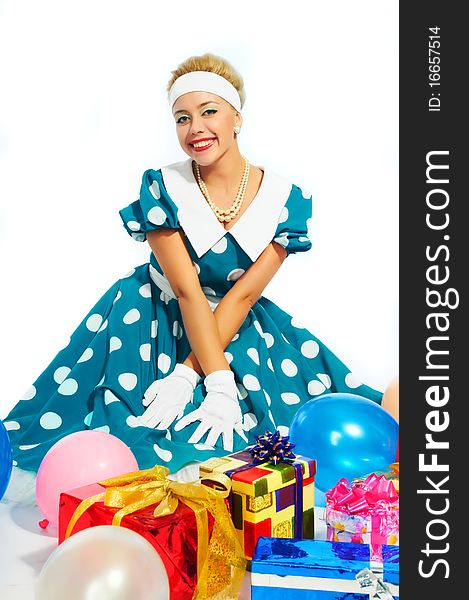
135 333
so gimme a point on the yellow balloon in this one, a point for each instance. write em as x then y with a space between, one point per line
103 562
390 401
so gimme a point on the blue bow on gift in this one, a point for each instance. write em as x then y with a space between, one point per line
272 447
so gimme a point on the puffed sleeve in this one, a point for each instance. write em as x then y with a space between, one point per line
292 228
153 209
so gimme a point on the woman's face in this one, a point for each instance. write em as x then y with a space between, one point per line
204 126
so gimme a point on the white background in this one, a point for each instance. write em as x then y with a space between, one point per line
83 113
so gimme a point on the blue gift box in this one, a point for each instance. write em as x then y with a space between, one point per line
320 570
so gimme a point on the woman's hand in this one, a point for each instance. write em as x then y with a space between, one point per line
219 413
168 397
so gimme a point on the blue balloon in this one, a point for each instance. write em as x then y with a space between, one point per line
6 459
348 435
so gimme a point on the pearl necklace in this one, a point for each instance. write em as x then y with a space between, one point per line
222 214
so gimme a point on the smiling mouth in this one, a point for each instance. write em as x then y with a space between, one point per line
202 144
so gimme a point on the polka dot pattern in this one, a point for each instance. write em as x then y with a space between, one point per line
128 381
253 355
155 190
259 329
29 394
316 387
110 397
208 290
103 428
145 352
11 425
115 343
296 323
132 316
68 388
220 246
271 418
177 330
50 420
156 215
61 374
165 455
351 381
98 380
309 349
289 367
93 322
251 383
145 290
164 362
325 379
290 398
242 391
87 354
235 274
249 421
133 225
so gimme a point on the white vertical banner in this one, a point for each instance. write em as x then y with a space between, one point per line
83 113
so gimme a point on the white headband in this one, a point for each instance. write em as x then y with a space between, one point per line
205 81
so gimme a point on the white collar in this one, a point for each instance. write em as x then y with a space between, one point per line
254 229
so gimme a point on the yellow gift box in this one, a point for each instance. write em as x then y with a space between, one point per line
273 500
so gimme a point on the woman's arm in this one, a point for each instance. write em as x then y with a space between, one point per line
201 328
236 304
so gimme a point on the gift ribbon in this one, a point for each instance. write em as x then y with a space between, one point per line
374 497
272 447
133 491
379 590
275 448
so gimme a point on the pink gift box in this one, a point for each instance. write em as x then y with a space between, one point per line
364 512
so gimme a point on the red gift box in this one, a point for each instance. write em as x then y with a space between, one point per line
174 536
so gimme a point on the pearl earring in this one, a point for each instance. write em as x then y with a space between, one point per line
237 129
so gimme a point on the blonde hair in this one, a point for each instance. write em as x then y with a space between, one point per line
213 64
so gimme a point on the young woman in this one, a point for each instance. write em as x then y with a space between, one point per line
183 358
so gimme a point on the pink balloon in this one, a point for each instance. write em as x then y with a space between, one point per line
76 460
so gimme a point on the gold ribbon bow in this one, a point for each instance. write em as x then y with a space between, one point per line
221 562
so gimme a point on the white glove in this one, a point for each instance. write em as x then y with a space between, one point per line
219 413
168 397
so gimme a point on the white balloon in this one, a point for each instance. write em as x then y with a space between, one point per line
103 562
